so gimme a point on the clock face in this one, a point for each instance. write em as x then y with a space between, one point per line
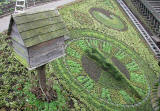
99 83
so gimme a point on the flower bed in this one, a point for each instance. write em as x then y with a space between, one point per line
101 88
75 70
85 85
109 19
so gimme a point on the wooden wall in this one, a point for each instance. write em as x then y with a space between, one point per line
15 34
18 46
47 51
37 55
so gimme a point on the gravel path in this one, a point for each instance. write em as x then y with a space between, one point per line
4 22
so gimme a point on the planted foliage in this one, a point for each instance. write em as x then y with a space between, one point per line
108 19
85 83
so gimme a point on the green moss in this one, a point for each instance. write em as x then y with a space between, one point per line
41 38
21 60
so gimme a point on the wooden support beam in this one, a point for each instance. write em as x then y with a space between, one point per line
42 77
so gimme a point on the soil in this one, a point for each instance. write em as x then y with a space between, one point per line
91 68
50 93
5 109
121 67
94 71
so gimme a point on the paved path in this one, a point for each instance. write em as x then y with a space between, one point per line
4 22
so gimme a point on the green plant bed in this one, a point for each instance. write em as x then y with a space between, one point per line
130 37
42 105
103 85
94 88
105 90
111 70
109 19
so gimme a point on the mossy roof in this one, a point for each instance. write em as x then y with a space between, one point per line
39 27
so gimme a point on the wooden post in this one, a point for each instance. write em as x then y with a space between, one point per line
42 77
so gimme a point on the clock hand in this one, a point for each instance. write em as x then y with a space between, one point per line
100 59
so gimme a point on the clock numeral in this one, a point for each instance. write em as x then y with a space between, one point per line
105 94
92 43
132 66
75 67
86 82
107 47
89 84
95 43
82 44
89 43
82 79
120 54
140 78
73 53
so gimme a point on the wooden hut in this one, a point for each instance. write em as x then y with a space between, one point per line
37 38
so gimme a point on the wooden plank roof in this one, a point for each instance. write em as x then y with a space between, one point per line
39 27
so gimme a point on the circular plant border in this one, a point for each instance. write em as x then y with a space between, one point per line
114 104
107 13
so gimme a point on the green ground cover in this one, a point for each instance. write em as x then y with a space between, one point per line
131 37
107 20
106 81
16 83
85 84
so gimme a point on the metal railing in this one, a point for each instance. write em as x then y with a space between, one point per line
141 29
